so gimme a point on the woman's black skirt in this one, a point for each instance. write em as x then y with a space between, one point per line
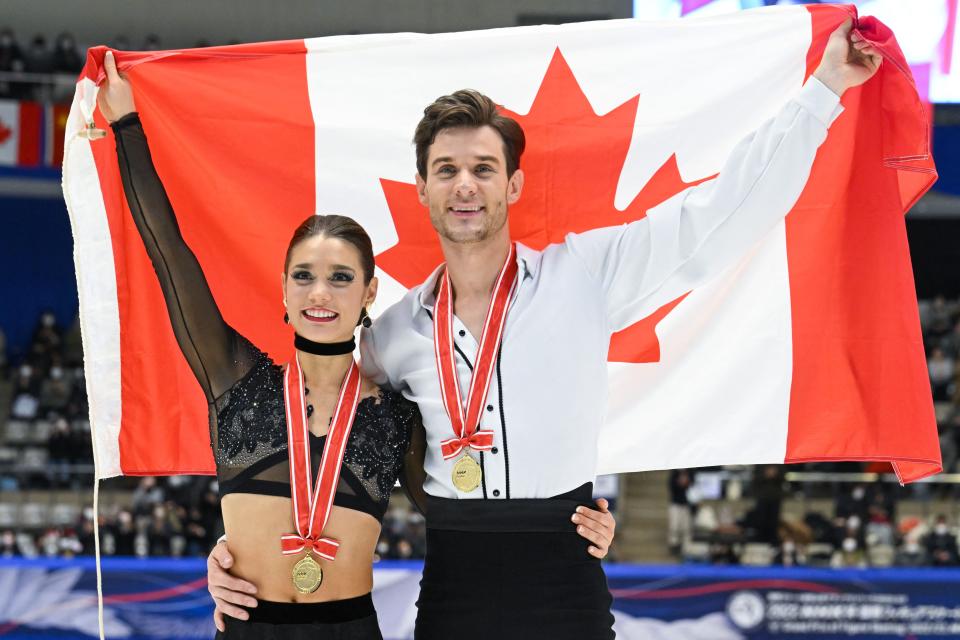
505 569
351 619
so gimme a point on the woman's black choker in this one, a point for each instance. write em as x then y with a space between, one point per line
324 348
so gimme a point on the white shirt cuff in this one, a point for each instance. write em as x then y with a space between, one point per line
822 103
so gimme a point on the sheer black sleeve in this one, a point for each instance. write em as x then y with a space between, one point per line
412 474
210 346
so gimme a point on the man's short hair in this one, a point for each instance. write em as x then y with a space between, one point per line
472 109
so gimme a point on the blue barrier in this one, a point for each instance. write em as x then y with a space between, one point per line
166 598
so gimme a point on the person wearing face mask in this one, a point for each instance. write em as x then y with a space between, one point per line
26 388
306 547
66 58
56 389
941 545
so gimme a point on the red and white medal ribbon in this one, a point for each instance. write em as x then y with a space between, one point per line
312 503
466 423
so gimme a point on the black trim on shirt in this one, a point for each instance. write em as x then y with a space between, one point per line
503 422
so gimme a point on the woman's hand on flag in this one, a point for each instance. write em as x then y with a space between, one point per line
848 60
115 96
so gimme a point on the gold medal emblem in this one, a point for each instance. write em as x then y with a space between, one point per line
307 575
467 474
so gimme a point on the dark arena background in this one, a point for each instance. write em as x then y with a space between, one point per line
798 551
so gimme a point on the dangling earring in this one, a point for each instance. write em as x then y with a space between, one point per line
364 318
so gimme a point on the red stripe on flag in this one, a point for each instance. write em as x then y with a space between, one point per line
856 316
31 121
250 103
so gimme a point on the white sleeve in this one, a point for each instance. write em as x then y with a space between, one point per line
369 361
692 237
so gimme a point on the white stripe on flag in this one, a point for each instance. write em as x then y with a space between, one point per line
721 391
9 132
96 285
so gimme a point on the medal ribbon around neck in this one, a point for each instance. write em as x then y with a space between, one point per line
466 423
311 504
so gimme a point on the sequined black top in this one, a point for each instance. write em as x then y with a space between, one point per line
243 387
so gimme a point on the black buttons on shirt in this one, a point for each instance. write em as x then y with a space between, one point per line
494 450
496 493
462 333
489 407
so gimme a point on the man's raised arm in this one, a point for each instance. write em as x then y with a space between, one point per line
693 236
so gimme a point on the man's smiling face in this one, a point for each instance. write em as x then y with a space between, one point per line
466 189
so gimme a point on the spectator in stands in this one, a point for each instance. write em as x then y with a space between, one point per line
10 52
66 57
942 374
911 554
85 534
8 544
794 538
55 390
941 544
950 343
764 518
77 405
26 389
852 503
45 346
47 334
879 530
162 528
69 544
939 319
38 59
851 553
679 510
11 59
124 534
61 447
197 535
146 496
26 381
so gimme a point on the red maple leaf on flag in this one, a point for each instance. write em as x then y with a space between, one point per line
573 161
5 132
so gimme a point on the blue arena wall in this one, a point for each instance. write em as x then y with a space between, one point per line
36 260
156 598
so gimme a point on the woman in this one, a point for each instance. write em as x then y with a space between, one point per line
314 575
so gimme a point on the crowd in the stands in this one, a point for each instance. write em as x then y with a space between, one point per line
45 450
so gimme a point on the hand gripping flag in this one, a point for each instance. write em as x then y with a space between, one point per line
808 349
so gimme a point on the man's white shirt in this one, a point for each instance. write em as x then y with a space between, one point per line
548 396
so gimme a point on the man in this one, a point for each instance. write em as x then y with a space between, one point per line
504 349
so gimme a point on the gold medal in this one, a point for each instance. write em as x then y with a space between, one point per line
307 575
467 474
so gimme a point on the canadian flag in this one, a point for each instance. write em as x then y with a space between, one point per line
20 133
808 349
